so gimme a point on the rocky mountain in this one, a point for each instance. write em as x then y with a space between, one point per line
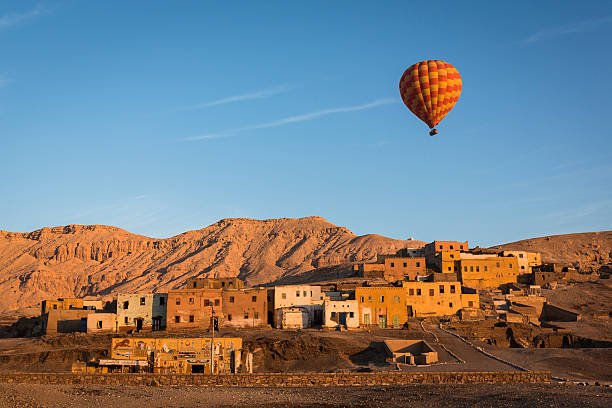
98 260
588 251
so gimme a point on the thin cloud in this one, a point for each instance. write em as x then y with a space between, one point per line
573 28
14 19
305 117
261 94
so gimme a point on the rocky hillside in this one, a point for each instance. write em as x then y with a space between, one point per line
587 251
98 260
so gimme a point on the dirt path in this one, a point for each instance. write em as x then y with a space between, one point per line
468 395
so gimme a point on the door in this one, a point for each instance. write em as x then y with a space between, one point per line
366 319
342 318
138 325
382 321
396 322
156 324
410 313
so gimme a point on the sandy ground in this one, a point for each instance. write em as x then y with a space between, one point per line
469 395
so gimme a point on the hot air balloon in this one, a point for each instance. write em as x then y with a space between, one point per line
430 89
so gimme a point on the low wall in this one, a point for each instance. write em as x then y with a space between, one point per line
282 380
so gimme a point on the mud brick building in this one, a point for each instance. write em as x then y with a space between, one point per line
213 283
382 306
190 309
424 299
245 307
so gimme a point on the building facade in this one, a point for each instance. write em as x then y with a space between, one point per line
393 268
141 311
245 307
213 283
340 313
306 297
382 306
101 323
527 261
190 309
487 271
424 299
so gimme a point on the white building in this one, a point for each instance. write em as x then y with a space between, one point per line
343 313
306 297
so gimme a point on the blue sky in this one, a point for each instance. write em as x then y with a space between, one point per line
160 117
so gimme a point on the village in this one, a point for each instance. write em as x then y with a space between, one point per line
444 280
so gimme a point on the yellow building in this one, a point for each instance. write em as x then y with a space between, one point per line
71 304
447 261
438 298
487 271
382 306
393 268
177 355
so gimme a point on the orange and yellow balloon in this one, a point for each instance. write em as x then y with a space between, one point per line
430 89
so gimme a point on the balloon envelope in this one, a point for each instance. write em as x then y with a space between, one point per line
430 89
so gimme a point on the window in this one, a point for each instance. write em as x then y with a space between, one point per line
256 315
297 293
405 264
222 284
178 301
99 324
396 299
431 292
361 299
351 314
411 292
520 255
126 305
382 299
246 314
451 247
522 266
509 265
392 265
229 317
418 264
177 319
465 269
55 306
217 302
450 304
486 268
125 320
143 301
440 246
471 303
253 299
231 299
283 296
162 301
304 294
191 318
195 284
471 269
477 268
418 292
191 301
369 298
497 264
206 302
452 256
449 269
333 315
452 288
460 246
441 288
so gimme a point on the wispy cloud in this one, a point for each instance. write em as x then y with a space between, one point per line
305 117
573 28
261 94
14 19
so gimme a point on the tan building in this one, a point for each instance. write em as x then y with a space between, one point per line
174 355
424 299
245 307
526 260
433 248
393 268
487 271
67 315
382 306
213 283
141 311
71 304
413 352
190 309
101 323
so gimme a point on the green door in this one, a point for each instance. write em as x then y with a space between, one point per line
395 321
382 322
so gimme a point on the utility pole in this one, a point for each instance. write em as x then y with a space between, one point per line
212 342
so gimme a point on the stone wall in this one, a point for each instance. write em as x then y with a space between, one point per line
283 380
